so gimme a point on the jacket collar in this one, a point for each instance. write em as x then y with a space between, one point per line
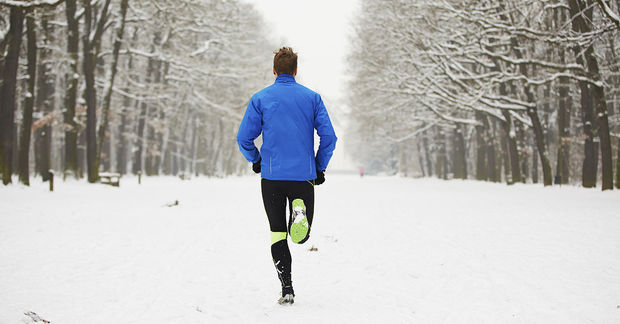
285 78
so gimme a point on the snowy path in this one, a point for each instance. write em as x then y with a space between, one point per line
389 250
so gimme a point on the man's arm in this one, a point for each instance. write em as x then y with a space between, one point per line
249 130
326 134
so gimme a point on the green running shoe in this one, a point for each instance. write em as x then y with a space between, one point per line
299 227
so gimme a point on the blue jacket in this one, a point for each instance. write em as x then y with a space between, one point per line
287 114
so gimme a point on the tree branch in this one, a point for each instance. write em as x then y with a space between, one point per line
609 13
30 4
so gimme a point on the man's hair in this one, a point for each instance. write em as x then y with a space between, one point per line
285 61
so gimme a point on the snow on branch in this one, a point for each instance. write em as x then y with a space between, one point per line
449 118
609 13
205 47
30 4
540 63
412 134
224 109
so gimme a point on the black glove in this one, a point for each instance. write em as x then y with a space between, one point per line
320 177
256 166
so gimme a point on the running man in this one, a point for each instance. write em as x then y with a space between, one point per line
287 113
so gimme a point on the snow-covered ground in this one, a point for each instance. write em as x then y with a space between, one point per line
390 250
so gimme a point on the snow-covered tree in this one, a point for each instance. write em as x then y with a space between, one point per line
128 85
492 78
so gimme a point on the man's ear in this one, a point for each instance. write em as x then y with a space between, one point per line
274 71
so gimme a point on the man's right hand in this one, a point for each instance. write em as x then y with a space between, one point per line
320 177
256 166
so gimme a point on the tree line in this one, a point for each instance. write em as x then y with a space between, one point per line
494 90
140 86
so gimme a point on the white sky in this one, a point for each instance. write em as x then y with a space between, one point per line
319 32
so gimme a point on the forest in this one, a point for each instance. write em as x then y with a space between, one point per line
493 90
153 87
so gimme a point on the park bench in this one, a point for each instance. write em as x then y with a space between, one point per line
110 178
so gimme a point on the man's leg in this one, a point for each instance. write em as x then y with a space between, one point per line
274 199
303 190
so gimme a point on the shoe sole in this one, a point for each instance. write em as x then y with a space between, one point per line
299 226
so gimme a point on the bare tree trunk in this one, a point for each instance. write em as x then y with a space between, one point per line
534 163
420 158
139 165
459 160
192 164
506 158
547 115
72 78
481 149
563 119
139 141
618 167
523 153
600 105
156 133
493 168
185 151
218 146
15 147
176 165
539 138
427 154
442 156
44 103
152 154
90 43
7 92
122 153
513 152
26 131
90 94
163 129
170 165
584 21
164 161
229 158
81 147
181 149
110 85
532 112
590 163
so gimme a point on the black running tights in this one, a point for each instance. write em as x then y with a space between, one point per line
276 195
